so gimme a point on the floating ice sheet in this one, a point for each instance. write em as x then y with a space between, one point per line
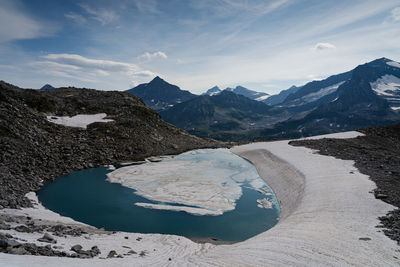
207 183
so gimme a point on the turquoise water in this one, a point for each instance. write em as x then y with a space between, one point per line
87 196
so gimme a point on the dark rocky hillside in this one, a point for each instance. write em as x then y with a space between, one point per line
376 154
33 150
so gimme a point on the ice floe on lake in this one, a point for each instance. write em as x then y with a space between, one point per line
205 183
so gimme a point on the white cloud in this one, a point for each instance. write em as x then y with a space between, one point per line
54 65
150 56
16 24
324 46
147 6
145 74
95 72
396 14
75 17
94 64
104 16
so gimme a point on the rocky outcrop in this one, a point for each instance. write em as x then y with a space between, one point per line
34 150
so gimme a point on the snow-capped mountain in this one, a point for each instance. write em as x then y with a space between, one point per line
369 97
212 91
279 98
316 93
253 95
239 90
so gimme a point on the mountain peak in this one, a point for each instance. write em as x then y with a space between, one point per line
157 79
47 86
159 94
213 91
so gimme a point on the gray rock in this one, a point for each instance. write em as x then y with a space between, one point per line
47 238
4 226
112 254
76 248
23 229
19 251
13 243
95 251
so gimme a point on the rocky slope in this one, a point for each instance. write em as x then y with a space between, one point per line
376 154
34 150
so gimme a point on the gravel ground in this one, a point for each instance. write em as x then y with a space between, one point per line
377 155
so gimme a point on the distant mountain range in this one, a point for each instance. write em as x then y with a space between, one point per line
218 115
368 95
160 95
240 90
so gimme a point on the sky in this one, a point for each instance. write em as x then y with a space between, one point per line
265 45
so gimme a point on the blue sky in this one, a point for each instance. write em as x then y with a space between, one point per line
263 45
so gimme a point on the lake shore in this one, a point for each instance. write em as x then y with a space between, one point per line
328 218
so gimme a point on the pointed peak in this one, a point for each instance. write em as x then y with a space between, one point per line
157 79
47 86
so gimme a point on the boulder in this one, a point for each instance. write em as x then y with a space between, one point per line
47 238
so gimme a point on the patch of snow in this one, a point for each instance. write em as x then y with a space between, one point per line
80 120
393 64
261 98
214 93
154 246
387 85
320 93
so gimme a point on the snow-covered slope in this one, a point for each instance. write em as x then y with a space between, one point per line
314 96
388 87
393 64
213 91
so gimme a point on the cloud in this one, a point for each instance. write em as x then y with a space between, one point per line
16 24
93 71
94 64
147 6
54 65
150 56
104 16
324 46
75 17
396 14
144 74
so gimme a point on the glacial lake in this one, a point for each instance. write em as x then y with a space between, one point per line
207 193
